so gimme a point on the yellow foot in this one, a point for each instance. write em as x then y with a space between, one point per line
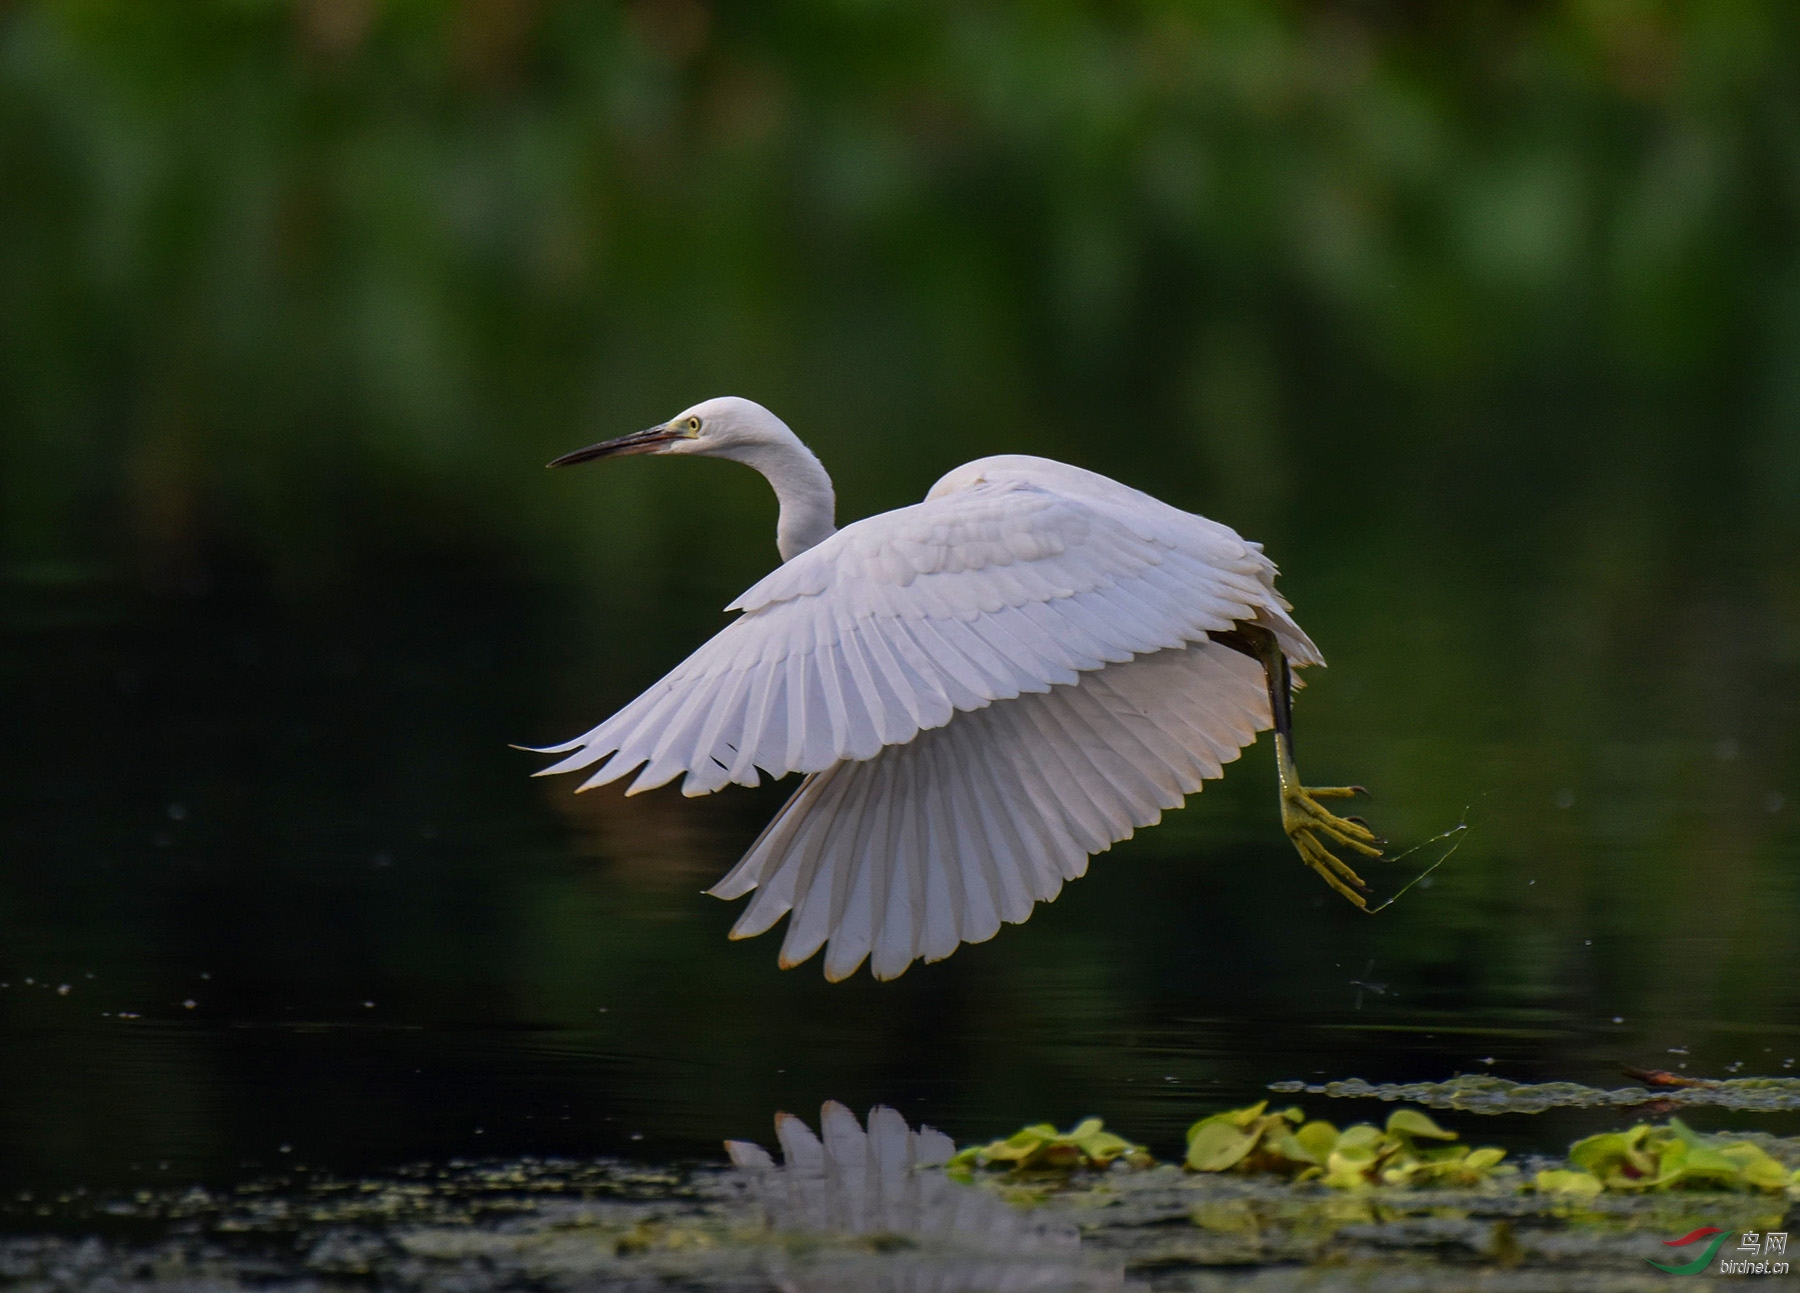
1315 830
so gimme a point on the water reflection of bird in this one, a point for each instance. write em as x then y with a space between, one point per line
923 1232
983 689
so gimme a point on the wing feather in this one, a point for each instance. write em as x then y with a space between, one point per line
971 873
939 841
943 911
1047 804
819 896
898 923
759 730
1005 862
925 701
1118 786
1077 783
1013 576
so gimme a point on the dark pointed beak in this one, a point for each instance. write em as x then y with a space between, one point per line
646 441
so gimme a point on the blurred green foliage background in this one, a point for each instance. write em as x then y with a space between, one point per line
1484 317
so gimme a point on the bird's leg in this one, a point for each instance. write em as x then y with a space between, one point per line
1313 829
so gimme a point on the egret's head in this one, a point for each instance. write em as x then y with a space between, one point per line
724 427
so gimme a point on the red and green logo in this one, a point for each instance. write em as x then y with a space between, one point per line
1701 1262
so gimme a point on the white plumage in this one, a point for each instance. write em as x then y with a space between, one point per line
887 1181
935 842
984 689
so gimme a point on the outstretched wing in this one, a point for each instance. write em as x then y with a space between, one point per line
1015 576
934 843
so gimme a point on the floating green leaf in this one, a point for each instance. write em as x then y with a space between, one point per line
1561 1180
1674 1156
1250 1140
1413 1122
1041 1146
1411 1150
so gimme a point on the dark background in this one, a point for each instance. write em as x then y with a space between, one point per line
1484 317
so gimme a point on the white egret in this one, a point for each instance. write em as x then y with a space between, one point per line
983 689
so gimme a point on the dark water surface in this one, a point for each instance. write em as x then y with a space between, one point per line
279 895
1485 319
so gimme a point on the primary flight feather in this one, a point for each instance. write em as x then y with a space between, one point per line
983 689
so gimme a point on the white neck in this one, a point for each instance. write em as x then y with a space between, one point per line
808 506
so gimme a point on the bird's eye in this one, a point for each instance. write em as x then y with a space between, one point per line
693 424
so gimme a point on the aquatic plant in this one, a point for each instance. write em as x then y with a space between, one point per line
1041 1146
1487 1093
1672 1156
1411 1150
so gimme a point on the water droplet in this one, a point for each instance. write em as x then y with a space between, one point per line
189 1004
1618 1019
286 1149
177 812
368 1005
63 989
